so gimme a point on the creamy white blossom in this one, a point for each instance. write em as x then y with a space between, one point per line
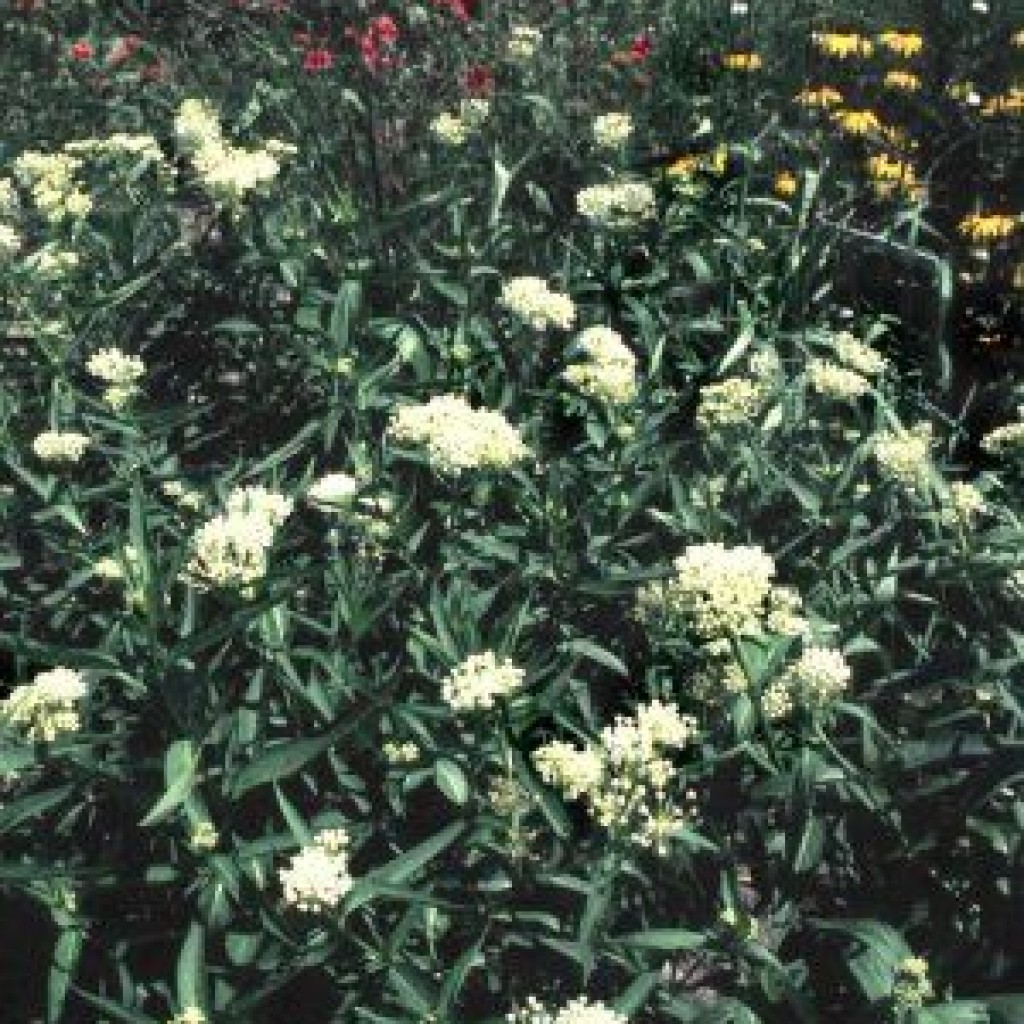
612 130
904 456
532 300
476 684
317 877
60 446
115 366
523 42
47 707
333 491
608 373
617 204
458 437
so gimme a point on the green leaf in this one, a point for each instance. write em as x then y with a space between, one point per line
180 763
663 939
451 780
594 652
281 760
19 811
191 971
66 954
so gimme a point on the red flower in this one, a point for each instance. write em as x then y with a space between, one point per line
478 80
641 47
82 50
318 60
385 29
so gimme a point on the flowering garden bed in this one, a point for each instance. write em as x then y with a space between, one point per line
511 513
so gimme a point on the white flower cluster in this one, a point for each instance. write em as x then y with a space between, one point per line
230 550
533 301
334 492
46 707
51 262
814 681
450 129
523 42
730 403
966 503
609 372
50 179
612 131
10 241
60 446
8 198
229 173
718 594
317 878
1007 440
625 776
458 437
904 456
836 382
455 129
855 354
617 204
577 1011
480 680
120 372
182 496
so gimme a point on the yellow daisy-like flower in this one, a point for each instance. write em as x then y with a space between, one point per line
843 44
684 166
822 97
858 122
904 44
742 61
1010 102
785 184
890 175
902 81
989 227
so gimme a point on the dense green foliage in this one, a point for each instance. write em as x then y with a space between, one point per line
460 548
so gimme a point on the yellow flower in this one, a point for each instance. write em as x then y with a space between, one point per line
1017 39
890 175
904 81
822 97
843 44
786 184
684 166
741 61
1010 102
989 227
905 44
858 122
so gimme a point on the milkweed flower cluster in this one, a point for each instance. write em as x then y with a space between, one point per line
904 456
609 372
612 131
1007 440
852 352
912 987
530 299
458 437
333 492
52 184
231 549
51 263
229 173
480 680
523 43
120 372
317 877
617 204
733 402
818 677
60 446
965 504
836 382
449 129
47 707
718 594
625 776
577 1011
